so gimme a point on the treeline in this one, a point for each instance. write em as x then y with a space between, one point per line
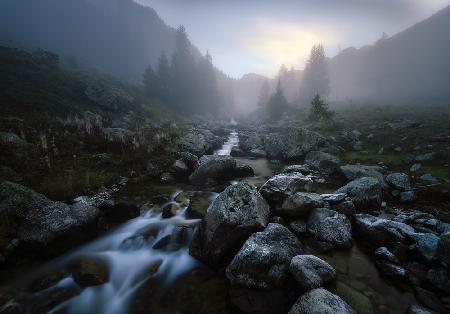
185 84
299 90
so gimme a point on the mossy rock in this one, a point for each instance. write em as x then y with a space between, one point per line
89 271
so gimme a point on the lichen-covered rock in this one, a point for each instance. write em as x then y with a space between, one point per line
282 185
426 245
320 301
311 272
381 231
300 203
107 96
352 172
444 247
330 226
40 220
231 218
292 143
323 162
399 181
263 261
365 192
218 169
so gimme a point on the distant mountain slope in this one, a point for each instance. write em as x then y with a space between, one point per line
119 37
410 67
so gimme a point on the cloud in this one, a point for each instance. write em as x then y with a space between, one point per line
285 43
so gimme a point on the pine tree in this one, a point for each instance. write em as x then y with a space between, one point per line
319 110
164 78
183 73
264 94
150 81
277 104
316 79
208 91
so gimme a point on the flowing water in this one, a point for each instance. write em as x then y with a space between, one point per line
146 242
150 248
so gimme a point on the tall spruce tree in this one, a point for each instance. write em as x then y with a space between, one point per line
315 78
151 82
164 78
319 110
264 94
278 104
183 73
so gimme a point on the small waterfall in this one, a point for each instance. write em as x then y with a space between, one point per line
130 251
232 141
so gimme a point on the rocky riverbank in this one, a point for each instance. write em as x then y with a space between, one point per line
271 236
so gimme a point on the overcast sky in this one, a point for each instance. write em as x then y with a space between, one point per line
257 36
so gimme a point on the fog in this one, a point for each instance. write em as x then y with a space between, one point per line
250 42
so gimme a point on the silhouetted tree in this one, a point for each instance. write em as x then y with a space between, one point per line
151 83
319 109
316 79
277 104
264 94
208 96
183 72
164 77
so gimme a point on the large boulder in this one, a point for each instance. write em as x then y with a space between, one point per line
311 272
232 217
40 220
365 192
323 162
292 143
106 95
218 168
352 172
263 261
198 142
300 204
398 181
380 231
330 226
320 301
282 185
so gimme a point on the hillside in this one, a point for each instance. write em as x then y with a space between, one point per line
410 67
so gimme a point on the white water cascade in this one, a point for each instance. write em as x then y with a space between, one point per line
232 141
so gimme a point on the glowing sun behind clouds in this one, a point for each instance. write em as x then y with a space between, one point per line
285 43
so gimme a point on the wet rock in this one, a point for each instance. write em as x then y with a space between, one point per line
407 196
232 217
323 162
40 220
365 192
425 157
334 198
218 169
179 168
318 246
257 153
415 167
320 301
154 169
428 178
282 185
418 309
303 169
237 152
169 210
352 136
298 227
55 297
392 271
311 272
190 160
330 226
300 204
384 254
263 261
345 207
197 142
381 231
355 297
352 172
426 245
292 143
399 181
440 278
89 271
444 248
